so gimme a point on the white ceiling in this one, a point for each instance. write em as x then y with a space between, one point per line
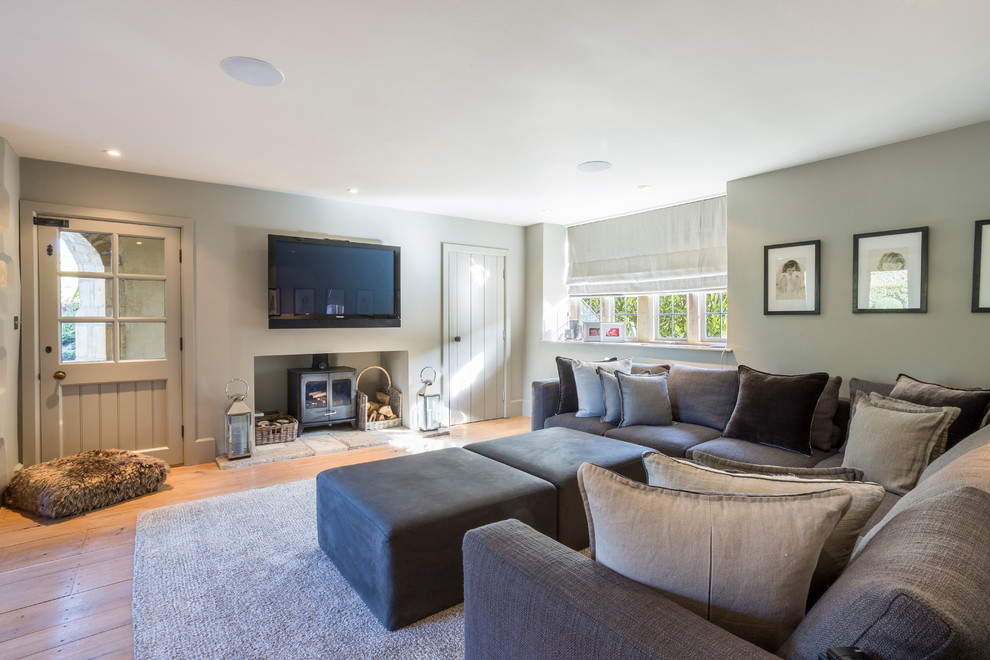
484 108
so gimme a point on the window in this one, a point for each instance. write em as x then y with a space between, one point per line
669 317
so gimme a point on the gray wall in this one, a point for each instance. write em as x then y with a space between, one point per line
10 306
939 181
230 269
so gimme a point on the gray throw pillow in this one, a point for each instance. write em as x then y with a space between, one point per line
568 401
776 409
644 400
847 473
702 396
973 404
610 393
822 426
591 399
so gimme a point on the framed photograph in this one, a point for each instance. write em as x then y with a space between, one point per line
890 271
981 269
304 301
613 332
792 278
273 306
592 331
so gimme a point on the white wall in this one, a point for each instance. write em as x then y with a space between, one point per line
10 306
938 181
231 226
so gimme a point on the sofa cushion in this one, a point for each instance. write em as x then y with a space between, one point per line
751 452
702 396
568 402
817 472
572 421
591 400
823 428
649 368
679 474
973 404
919 589
893 442
673 440
975 441
610 396
643 400
862 385
744 562
776 409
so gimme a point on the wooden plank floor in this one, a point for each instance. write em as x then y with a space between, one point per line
65 586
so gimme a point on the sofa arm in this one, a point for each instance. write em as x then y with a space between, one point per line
527 596
546 395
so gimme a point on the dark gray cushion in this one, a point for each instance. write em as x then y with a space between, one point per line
819 471
751 452
610 393
572 421
823 430
568 402
973 404
674 440
920 588
643 400
650 368
702 396
776 409
555 456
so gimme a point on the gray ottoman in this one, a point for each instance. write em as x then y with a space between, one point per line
555 454
394 527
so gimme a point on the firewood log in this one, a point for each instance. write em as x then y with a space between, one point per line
382 397
386 411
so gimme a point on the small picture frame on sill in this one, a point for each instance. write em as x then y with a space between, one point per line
890 271
613 332
792 278
592 331
981 267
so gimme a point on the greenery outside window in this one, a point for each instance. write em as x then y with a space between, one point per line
626 311
672 316
716 315
679 318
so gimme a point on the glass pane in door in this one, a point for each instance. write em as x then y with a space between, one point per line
142 298
316 394
140 255
341 392
85 296
84 252
142 341
87 342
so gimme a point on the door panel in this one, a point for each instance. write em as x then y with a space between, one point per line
109 301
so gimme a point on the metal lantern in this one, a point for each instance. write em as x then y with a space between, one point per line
429 402
238 423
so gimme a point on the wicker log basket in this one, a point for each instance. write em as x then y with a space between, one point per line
395 401
279 428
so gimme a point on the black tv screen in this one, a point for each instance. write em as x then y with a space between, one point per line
324 283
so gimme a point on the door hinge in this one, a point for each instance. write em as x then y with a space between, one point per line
182 430
180 343
51 222
180 256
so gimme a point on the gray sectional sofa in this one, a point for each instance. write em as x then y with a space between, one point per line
918 585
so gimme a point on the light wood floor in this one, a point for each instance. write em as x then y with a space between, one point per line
65 586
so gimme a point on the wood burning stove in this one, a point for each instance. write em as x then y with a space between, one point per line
318 397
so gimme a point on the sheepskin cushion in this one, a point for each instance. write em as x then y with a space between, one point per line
90 480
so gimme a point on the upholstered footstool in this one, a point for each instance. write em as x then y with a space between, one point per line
394 527
555 454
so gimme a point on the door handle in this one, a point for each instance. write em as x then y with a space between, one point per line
58 375
457 338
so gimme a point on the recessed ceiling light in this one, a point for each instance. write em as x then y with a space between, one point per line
594 166
643 187
353 191
251 71
113 152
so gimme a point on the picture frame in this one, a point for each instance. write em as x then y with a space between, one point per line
890 272
305 300
613 332
591 331
792 275
981 270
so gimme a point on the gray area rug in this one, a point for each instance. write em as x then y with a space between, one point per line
242 576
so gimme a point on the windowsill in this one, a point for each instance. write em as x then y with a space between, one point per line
719 348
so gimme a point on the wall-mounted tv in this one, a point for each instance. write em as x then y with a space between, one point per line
324 283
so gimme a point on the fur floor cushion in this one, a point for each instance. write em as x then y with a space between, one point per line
90 480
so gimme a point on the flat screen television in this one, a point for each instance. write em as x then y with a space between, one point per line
324 283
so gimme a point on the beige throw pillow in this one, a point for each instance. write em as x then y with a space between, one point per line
668 472
892 441
729 465
743 562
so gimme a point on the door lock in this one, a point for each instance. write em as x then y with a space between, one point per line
58 375
457 338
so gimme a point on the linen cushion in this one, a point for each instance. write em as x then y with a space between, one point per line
920 588
702 396
744 562
591 398
776 410
649 368
973 404
668 472
867 386
891 445
644 400
845 473
610 395
822 427
568 401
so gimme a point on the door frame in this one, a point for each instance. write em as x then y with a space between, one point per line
30 376
448 249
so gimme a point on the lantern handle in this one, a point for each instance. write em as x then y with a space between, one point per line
428 381
237 397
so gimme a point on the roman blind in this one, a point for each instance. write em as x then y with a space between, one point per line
674 249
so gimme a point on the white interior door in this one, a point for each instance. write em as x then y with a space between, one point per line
475 333
109 334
